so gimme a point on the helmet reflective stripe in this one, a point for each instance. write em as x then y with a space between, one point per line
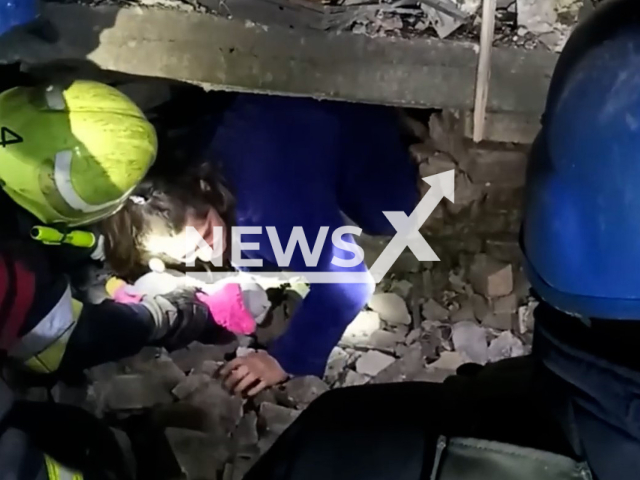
62 177
55 98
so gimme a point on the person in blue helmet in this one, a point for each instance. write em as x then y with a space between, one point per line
571 409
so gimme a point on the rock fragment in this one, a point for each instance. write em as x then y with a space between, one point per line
401 350
200 455
465 312
448 361
221 411
506 345
238 469
245 438
403 369
196 353
503 315
335 365
391 308
134 392
402 288
413 336
190 384
385 341
466 192
276 419
359 331
480 307
470 340
490 277
304 390
353 379
432 310
208 367
373 362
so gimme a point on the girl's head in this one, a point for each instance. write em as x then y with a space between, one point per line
153 223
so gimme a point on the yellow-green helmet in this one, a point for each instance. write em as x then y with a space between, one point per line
72 154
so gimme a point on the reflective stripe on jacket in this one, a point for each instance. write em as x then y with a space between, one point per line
42 348
57 471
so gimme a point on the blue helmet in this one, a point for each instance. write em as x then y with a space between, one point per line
581 229
14 13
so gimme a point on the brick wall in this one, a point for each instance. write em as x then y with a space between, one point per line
485 216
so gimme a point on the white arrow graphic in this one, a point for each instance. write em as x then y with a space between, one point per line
408 228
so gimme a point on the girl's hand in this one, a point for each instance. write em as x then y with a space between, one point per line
252 374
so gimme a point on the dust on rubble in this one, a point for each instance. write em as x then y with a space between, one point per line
423 322
529 24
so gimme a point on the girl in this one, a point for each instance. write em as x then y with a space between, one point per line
283 163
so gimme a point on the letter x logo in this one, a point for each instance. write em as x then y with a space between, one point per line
408 227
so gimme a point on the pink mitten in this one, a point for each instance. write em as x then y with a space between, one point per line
228 309
122 296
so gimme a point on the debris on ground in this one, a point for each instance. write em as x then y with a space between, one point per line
425 321
391 308
373 362
530 24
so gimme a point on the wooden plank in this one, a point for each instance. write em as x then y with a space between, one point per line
484 68
236 55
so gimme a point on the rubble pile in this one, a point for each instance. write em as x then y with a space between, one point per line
410 331
523 23
424 321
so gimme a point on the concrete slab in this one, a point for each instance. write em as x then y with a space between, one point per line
241 56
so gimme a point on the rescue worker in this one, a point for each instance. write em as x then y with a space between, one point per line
69 156
570 410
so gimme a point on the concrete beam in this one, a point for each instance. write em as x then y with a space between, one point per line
235 55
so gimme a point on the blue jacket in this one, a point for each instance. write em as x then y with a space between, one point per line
14 13
599 404
301 162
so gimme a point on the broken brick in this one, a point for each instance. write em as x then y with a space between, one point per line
465 312
384 341
391 308
413 336
158 365
402 288
498 321
507 304
190 384
353 379
432 310
448 361
239 468
223 411
465 194
196 353
276 419
337 363
134 392
359 331
245 437
403 369
505 346
304 390
208 367
490 277
200 455
470 340
373 362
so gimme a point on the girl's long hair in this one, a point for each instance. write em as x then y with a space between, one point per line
164 198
